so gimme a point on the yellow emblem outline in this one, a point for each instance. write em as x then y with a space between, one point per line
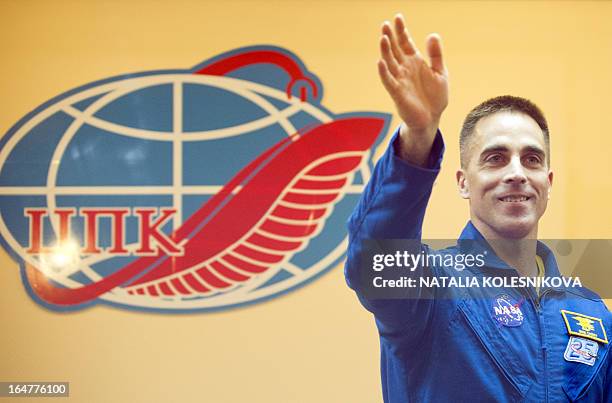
586 336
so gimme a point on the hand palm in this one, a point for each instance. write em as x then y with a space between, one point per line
420 91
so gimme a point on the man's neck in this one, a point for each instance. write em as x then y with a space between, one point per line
518 253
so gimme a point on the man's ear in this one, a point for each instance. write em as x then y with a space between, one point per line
462 184
550 182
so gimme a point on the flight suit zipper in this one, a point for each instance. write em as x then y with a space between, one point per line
544 355
537 302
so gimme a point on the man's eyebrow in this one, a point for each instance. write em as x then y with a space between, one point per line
494 148
535 150
501 148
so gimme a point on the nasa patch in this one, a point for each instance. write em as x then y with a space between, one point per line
581 350
506 310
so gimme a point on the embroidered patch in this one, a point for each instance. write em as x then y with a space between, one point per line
507 311
584 326
581 350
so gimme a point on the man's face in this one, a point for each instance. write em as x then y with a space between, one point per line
507 178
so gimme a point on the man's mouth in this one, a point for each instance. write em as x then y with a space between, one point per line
514 198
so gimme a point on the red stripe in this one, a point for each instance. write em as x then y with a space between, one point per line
269 243
335 167
229 273
211 279
242 265
176 283
314 184
309 199
195 284
294 231
163 286
257 255
152 290
231 63
298 214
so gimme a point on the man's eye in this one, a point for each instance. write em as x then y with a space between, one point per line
494 158
533 160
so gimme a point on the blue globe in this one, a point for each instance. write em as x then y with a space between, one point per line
154 140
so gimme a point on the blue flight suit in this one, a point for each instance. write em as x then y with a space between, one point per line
453 349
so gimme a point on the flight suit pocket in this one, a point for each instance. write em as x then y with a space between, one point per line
499 344
577 328
583 376
467 370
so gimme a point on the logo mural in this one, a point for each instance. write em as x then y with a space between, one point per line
183 190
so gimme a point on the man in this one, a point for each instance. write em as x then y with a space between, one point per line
540 344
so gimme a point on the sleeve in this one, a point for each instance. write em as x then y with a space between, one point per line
607 389
392 206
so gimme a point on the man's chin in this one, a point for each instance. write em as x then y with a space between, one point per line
516 228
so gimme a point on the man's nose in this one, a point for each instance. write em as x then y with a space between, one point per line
515 172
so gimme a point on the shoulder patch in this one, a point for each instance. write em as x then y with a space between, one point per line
585 326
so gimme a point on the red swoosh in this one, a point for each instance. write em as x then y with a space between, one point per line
228 217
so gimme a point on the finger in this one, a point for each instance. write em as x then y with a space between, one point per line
434 50
387 55
395 49
387 79
403 36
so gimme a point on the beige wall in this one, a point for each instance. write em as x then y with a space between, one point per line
315 344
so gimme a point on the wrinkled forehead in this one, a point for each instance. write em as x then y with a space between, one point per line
512 130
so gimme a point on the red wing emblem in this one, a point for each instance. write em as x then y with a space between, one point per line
269 211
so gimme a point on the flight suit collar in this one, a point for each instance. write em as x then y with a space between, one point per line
472 241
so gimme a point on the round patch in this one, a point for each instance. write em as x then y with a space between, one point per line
506 310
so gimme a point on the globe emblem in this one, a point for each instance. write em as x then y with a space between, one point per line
166 141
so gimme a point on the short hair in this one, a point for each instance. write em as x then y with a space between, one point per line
504 103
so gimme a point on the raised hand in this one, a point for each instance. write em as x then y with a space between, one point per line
419 90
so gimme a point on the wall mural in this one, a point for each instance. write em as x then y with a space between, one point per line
183 190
